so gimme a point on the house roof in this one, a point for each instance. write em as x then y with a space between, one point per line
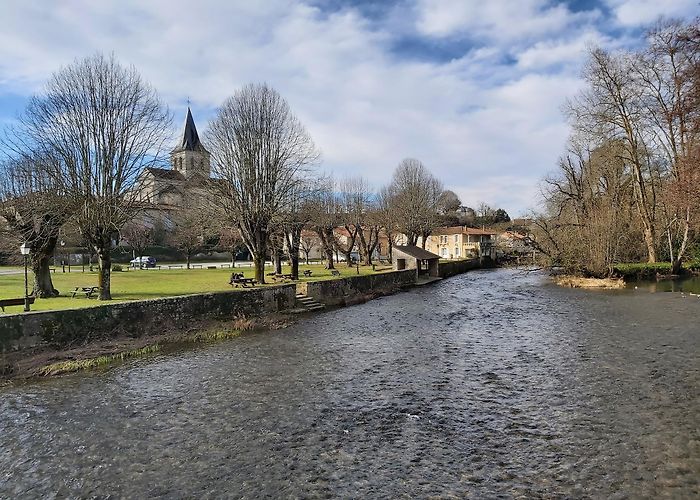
165 173
441 231
416 252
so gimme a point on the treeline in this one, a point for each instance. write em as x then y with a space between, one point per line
628 189
73 160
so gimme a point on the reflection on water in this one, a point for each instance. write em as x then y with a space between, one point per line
685 285
488 384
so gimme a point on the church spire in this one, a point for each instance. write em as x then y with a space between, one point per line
190 138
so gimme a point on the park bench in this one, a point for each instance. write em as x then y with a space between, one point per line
307 273
89 291
335 272
196 265
175 265
14 302
284 278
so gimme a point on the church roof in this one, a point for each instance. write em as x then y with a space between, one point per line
165 173
190 139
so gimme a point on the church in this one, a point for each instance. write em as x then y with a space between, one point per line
186 181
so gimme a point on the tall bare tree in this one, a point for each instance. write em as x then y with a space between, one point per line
415 196
325 210
104 124
611 108
261 153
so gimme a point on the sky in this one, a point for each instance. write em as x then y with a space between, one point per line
472 88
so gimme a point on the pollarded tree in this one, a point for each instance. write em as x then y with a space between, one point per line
261 153
103 124
138 235
34 210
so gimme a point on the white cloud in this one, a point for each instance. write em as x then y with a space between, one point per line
500 21
644 12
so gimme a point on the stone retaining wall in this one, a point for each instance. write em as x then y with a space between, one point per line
347 291
59 328
452 268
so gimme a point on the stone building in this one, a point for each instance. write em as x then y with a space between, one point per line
186 180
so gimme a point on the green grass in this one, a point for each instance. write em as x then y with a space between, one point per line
146 284
633 270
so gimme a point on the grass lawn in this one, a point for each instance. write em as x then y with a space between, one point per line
146 284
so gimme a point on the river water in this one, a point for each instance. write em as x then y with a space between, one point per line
489 384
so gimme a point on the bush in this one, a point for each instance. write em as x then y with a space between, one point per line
117 268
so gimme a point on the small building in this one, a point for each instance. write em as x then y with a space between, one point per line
412 257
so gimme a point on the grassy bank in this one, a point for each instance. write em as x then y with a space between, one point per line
644 270
147 284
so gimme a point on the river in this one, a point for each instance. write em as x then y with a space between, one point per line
488 384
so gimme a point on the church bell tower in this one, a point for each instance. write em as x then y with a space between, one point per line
190 157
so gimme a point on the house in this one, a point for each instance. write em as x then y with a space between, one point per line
413 257
460 242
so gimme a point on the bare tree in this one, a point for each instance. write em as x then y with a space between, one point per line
324 207
104 124
307 243
355 196
611 108
449 202
192 232
230 239
668 72
261 153
139 236
34 209
415 195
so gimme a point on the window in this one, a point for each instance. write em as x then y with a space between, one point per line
444 251
456 238
456 251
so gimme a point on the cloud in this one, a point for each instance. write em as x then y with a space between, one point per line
644 12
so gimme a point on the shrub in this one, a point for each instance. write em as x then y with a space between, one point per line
117 268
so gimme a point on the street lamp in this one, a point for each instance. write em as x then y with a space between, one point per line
25 250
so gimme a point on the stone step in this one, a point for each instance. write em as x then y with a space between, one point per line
308 303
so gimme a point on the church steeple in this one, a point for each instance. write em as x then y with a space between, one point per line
190 156
190 138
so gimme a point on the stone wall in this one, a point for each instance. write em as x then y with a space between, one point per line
347 291
59 328
452 268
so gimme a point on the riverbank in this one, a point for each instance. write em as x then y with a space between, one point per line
55 342
45 361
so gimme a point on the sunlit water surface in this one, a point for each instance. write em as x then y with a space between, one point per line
492 383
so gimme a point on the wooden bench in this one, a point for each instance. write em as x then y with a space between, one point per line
196 265
14 302
89 291
335 272
175 265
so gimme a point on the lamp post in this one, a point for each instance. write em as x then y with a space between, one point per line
63 256
25 250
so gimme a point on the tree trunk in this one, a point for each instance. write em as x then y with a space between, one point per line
189 258
259 262
306 252
278 260
233 259
43 286
105 273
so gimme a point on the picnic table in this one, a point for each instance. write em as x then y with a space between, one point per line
238 280
89 291
307 273
335 272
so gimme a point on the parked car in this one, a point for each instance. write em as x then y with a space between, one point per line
144 261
